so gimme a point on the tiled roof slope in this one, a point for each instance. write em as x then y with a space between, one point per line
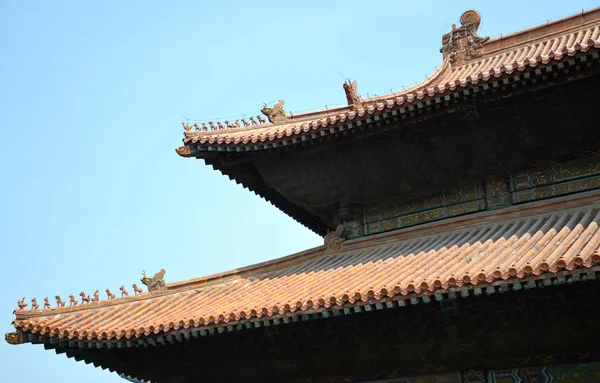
508 55
545 240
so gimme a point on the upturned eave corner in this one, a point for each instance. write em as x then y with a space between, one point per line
184 151
14 338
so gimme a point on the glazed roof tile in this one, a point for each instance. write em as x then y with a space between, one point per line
519 244
508 55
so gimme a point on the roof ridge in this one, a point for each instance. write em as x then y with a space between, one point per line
503 42
321 114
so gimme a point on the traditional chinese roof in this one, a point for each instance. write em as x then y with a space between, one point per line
469 61
549 241
491 106
535 244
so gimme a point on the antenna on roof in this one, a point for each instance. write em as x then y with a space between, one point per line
340 72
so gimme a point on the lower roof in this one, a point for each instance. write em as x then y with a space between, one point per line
538 241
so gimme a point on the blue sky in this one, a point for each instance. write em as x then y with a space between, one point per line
92 96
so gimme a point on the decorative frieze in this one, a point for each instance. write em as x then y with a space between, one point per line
553 179
496 191
565 373
462 198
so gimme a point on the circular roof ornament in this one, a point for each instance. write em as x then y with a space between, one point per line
470 17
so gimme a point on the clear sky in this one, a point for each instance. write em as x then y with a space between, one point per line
92 96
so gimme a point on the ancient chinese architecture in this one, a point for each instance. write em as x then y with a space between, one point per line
461 235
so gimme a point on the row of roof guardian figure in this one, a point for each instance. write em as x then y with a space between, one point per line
226 125
154 284
275 115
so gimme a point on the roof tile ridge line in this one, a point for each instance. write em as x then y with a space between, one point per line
313 115
589 198
431 79
29 314
318 113
591 11
582 25
248 271
499 50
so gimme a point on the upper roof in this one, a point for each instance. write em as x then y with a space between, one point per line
545 240
469 60
320 165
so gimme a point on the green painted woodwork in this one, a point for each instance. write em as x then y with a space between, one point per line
458 200
354 228
556 190
555 179
541 181
567 373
